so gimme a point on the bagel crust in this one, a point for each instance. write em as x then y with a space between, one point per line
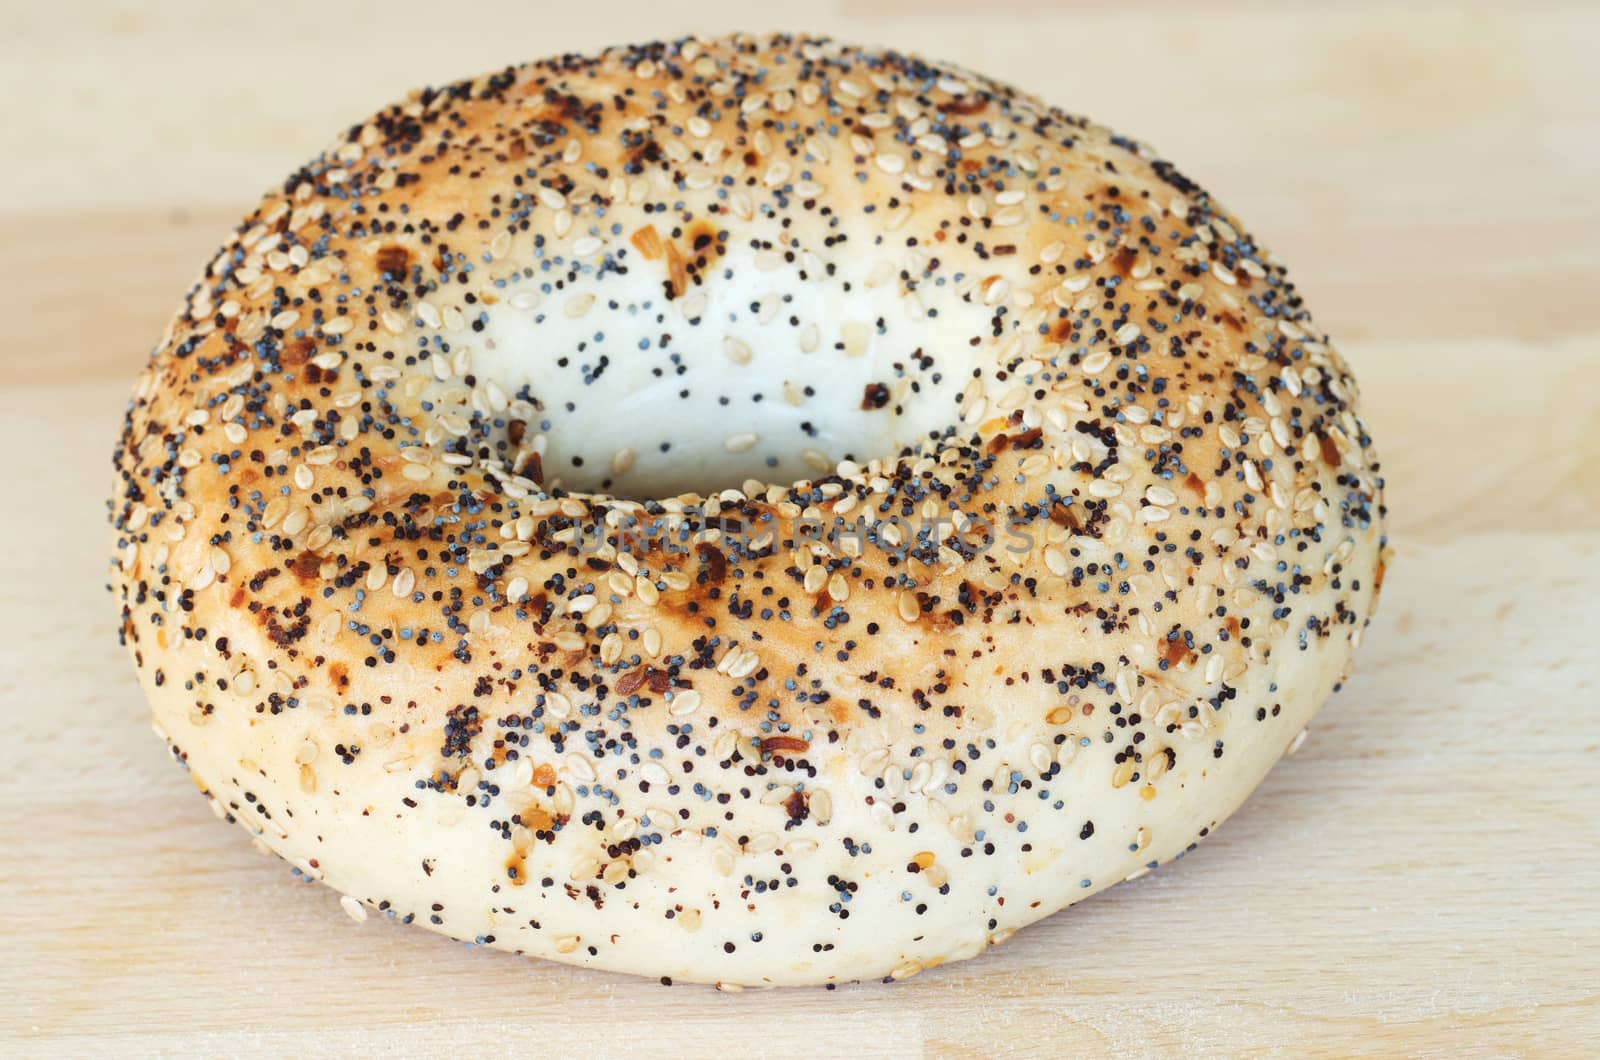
755 511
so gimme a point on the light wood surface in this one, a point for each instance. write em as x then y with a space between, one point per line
1421 878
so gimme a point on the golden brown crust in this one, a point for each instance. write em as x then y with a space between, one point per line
383 637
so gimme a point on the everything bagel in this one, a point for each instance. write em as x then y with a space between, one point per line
756 511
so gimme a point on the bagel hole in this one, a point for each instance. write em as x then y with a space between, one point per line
753 373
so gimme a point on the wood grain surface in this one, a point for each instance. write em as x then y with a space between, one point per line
1423 878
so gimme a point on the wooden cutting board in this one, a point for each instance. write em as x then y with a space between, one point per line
1421 878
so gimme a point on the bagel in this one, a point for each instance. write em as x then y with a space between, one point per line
754 511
